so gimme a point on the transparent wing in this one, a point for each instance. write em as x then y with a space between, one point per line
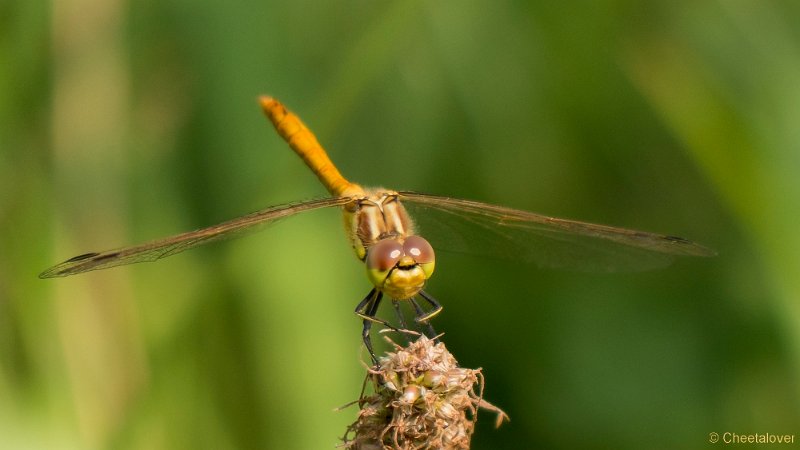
162 248
466 226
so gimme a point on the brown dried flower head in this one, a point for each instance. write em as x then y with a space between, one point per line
420 399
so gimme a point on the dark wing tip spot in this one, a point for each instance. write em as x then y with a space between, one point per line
77 264
678 239
692 248
82 257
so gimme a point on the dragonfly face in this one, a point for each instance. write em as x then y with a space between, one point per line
400 268
398 262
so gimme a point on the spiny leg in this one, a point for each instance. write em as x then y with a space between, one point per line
428 328
400 318
362 310
366 309
437 307
363 304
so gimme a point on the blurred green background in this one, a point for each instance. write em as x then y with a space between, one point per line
122 122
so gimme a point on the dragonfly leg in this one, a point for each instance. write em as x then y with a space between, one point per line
366 309
427 327
400 318
437 308
363 305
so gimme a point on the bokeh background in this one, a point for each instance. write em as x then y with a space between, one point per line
126 121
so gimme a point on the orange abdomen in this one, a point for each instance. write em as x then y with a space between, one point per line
305 144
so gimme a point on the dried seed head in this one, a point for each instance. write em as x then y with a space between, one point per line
420 399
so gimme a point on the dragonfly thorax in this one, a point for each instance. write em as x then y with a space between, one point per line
398 263
373 217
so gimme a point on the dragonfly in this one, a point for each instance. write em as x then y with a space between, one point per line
385 236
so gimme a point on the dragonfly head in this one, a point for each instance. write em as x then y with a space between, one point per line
399 267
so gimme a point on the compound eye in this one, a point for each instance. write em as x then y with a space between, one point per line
419 249
384 255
